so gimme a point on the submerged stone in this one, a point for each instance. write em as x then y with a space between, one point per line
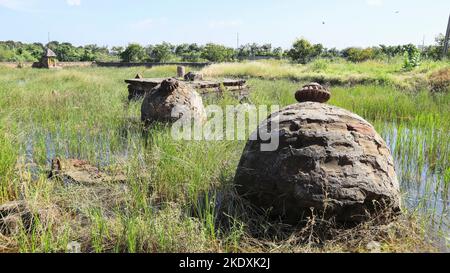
75 171
16 216
13 216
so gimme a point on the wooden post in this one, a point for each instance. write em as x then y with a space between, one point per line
181 71
447 37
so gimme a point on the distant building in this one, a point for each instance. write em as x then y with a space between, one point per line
48 60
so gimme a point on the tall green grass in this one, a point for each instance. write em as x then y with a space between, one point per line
170 202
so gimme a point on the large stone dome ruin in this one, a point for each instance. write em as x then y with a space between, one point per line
329 161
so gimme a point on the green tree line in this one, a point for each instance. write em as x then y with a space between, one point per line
302 51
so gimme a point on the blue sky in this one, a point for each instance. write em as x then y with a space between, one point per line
280 22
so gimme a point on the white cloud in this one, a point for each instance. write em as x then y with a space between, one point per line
73 2
143 24
30 5
13 4
148 23
224 24
374 3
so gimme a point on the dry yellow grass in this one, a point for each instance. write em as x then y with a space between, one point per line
338 72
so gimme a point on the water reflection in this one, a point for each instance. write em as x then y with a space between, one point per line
421 160
421 170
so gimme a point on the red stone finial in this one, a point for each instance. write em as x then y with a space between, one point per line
170 85
313 92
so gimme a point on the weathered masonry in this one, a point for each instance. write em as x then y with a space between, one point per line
137 88
48 60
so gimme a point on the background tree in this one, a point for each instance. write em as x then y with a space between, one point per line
278 52
133 53
391 51
6 54
303 51
66 52
162 53
217 53
355 54
434 52
189 52
331 53
250 51
35 49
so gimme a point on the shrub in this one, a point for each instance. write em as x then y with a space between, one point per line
356 55
161 53
412 57
217 53
303 51
133 53
440 80
6 54
319 65
434 52
391 51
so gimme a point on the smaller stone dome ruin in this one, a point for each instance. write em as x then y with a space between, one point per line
159 104
193 76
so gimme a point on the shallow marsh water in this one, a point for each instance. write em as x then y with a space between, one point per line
424 180
81 113
425 184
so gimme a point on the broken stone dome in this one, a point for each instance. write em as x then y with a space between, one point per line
192 76
329 161
170 101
